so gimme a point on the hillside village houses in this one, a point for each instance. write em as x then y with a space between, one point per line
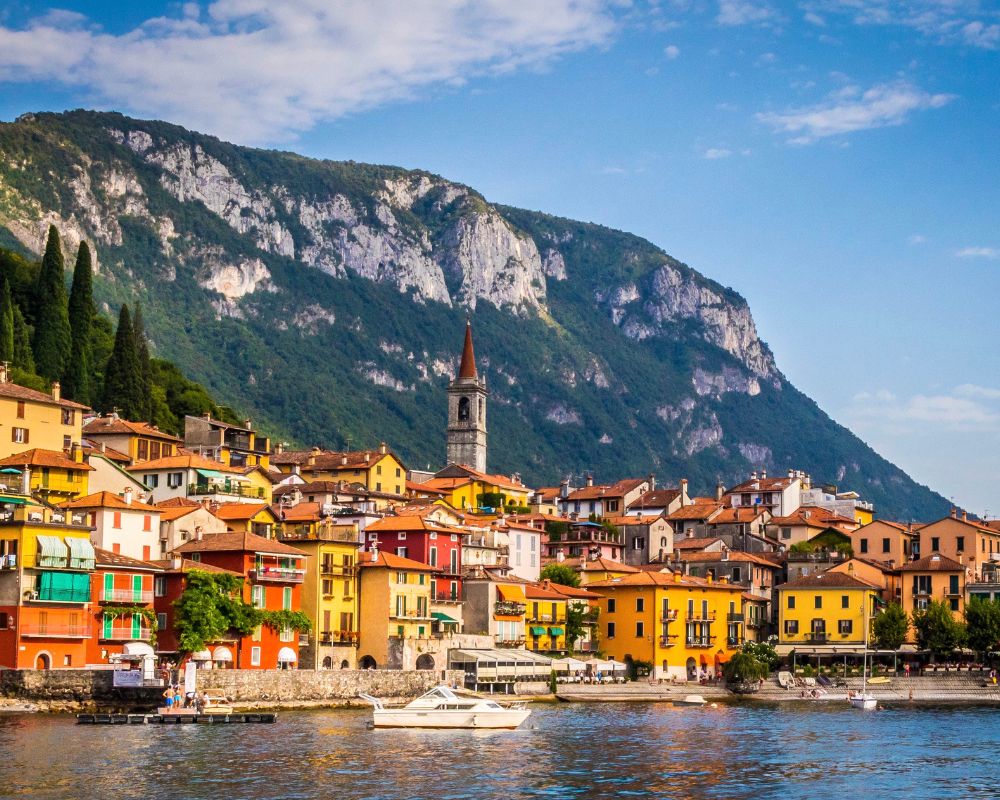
105 522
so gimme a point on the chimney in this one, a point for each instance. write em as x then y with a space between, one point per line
4 369
343 460
76 453
311 461
590 479
127 495
199 533
753 475
248 424
206 416
677 577
383 448
708 578
651 479
560 555
763 474
56 391
720 491
965 516
791 473
279 448
954 512
103 447
684 486
296 469
564 489
176 563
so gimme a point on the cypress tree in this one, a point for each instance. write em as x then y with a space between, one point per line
6 321
145 369
121 375
23 358
76 378
52 341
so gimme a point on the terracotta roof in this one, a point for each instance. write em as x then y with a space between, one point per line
237 542
762 484
731 555
105 558
18 392
43 458
467 369
184 461
117 425
238 511
696 511
109 500
331 460
595 565
569 591
828 580
188 565
176 512
644 578
413 522
90 449
548 493
697 543
971 523
302 512
657 498
738 514
815 517
392 561
423 487
502 481
534 591
935 562
648 519
177 502
597 492
897 525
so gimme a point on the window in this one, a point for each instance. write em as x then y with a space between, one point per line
737 575
117 523
286 635
159 586
935 544
845 601
791 601
791 626
960 543
20 409
864 545
400 577
611 605
68 416
786 533
327 586
258 596
254 656
175 479
953 584
142 450
433 559
639 632
286 598
4 620
161 621
19 435
845 626
953 603
378 487
378 470
638 542
401 552
432 535
67 442
147 522
400 605
398 473
152 481
401 537
611 630
640 604
818 601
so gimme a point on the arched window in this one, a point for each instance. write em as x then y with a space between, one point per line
463 409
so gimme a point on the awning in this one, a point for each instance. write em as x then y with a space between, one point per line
512 594
211 473
537 630
721 658
201 655
702 659
287 656
51 548
81 551
13 501
222 654
444 619
569 664
137 649
556 631
10 471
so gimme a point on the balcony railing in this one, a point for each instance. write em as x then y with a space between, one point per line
340 570
817 637
669 640
701 616
755 623
53 630
59 595
702 641
125 633
59 562
504 608
278 574
411 615
323 533
734 641
126 596
734 617
338 637
510 642
230 490
669 615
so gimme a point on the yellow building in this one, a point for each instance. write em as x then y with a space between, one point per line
140 441
260 483
238 446
680 624
379 470
330 593
545 619
29 418
933 577
826 613
466 488
395 603
256 518
595 570
50 474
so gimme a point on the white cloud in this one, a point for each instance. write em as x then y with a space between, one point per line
961 410
814 19
258 71
848 110
974 390
915 239
671 51
612 170
713 153
978 252
744 12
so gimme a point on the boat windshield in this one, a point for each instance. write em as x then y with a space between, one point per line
439 693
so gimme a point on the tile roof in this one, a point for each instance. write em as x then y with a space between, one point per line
696 511
597 492
595 565
738 514
935 562
695 543
176 502
503 481
392 561
569 591
656 498
814 516
43 458
18 392
237 542
412 523
117 425
762 485
238 511
412 486
534 591
91 449
105 558
109 500
649 578
330 460
828 580
731 555
184 461
467 367
172 513
301 512
188 565
648 519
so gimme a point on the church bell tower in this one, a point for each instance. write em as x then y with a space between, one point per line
467 412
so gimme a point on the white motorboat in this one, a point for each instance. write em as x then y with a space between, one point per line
863 700
691 700
441 707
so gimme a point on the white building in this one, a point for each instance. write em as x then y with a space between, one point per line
781 496
122 526
524 547
195 477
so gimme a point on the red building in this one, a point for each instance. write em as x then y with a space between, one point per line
121 594
424 540
273 574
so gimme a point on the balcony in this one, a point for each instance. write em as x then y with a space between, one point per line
669 615
755 623
277 575
330 638
54 630
702 641
227 489
59 595
411 615
668 640
695 616
817 637
503 608
125 596
338 570
321 533
734 641
733 617
125 633
510 642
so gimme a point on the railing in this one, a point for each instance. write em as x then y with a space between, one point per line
59 562
279 574
831 555
668 641
817 637
54 631
734 641
702 641
340 570
60 595
755 623
338 637
734 617
409 615
509 609
320 532
231 490
119 633
510 642
446 597
669 615
702 617
126 596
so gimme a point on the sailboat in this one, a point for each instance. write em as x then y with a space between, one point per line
862 699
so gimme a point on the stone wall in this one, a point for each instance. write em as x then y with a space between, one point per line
72 686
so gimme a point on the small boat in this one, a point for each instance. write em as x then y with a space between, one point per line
215 703
442 707
691 700
878 681
863 700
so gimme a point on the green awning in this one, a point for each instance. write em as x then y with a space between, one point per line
211 473
13 501
537 630
10 471
81 551
444 618
51 552
556 631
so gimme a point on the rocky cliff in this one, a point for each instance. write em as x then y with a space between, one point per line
326 298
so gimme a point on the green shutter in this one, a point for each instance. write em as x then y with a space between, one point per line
287 599
109 586
137 588
80 587
108 622
136 623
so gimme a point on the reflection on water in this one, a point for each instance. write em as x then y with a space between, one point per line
564 751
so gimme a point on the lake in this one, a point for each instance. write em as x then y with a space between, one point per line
791 750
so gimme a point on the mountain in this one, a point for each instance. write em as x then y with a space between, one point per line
326 300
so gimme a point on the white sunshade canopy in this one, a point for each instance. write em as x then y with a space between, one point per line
569 664
201 655
221 653
287 656
137 649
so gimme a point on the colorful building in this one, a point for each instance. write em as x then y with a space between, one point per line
183 520
465 488
545 619
495 606
422 539
380 470
237 446
826 613
50 474
583 539
889 542
29 418
680 624
932 578
140 441
969 542
585 603
196 477
123 616
121 525
256 518
604 500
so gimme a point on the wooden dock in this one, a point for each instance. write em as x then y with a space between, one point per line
175 719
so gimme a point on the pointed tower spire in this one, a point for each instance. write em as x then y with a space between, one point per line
467 369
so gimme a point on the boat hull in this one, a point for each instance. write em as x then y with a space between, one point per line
865 703
458 718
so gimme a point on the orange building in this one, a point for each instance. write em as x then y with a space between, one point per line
122 607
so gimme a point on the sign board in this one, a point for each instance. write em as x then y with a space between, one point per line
190 670
127 677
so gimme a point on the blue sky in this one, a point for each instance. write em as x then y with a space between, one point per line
835 161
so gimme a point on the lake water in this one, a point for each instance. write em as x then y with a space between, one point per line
564 751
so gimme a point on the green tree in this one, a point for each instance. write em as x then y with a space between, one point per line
76 378
764 652
578 617
210 608
744 672
51 345
982 624
145 368
23 357
6 321
122 381
938 630
890 627
561 574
